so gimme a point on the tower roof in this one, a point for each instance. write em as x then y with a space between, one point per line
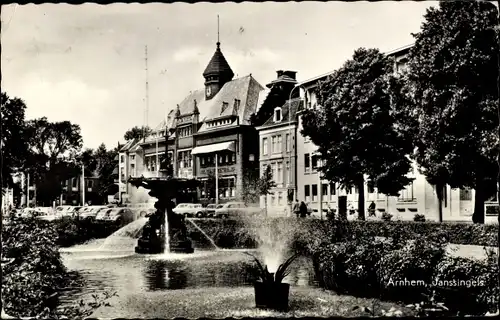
218 65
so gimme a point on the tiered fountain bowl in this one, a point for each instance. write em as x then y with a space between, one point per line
164 222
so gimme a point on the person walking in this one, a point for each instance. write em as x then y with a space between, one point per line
303 210
371 209
296 208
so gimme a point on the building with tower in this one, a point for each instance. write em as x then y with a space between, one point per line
210 135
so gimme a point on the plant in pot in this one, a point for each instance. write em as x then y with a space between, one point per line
270 291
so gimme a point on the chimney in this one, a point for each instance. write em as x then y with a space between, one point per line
291 74
279 73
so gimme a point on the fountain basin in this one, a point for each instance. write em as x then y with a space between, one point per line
184 246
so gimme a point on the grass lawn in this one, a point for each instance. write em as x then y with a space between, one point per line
236 302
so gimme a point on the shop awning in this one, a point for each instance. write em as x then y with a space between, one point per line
214 148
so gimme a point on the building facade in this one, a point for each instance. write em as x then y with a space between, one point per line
75 193
277 140
208 136
418 197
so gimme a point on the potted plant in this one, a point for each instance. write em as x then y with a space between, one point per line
270 291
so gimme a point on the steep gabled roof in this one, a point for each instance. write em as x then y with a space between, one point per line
293 106
245 89
128 145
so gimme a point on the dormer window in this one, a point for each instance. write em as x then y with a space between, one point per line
237 105
224 106
277 115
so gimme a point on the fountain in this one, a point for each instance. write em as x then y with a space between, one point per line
165 231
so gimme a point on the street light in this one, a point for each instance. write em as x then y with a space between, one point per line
290 138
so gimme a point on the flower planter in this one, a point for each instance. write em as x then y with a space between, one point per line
271 295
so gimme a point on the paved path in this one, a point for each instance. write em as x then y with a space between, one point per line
465 250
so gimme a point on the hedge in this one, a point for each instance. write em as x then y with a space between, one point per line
235 234
31 283
72 231
385 269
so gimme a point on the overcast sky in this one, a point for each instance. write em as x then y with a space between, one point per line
86 63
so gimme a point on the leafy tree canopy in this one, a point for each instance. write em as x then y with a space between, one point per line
12 138
137 133
452 80
357 128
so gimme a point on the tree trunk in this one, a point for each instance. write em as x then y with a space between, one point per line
361 198
439 193
478 215
265 204
498 158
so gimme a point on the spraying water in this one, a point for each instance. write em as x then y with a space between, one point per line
130 231
167 236
274 237
204 233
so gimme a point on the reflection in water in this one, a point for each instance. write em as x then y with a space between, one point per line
135 273
171 275
164 275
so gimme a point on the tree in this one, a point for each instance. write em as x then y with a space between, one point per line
13 144
137 133
105 165
452 79
265 184
53 148
358 129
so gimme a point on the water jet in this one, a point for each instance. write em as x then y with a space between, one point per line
165 231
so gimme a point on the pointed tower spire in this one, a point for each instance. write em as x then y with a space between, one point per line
218 71
218 40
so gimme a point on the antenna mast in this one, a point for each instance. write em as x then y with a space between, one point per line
146 110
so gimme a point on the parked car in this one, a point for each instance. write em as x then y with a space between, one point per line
102 214
68 211
236 209
142 209
210 209
91 212
30 213
190 209
121 216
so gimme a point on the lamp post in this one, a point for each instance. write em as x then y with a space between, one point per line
83 185
290 148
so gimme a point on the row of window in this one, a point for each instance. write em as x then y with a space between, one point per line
310 162
329 192
218 123
74 183
185 159
223 158
185 132
226 189
279 175
276 144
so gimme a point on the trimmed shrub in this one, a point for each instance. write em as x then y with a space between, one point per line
409 271
406 273
72 231
419 217
313 232
386 216
468 285
30 284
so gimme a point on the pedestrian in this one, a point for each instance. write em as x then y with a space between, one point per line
351 209
371 209
303 210
296 208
